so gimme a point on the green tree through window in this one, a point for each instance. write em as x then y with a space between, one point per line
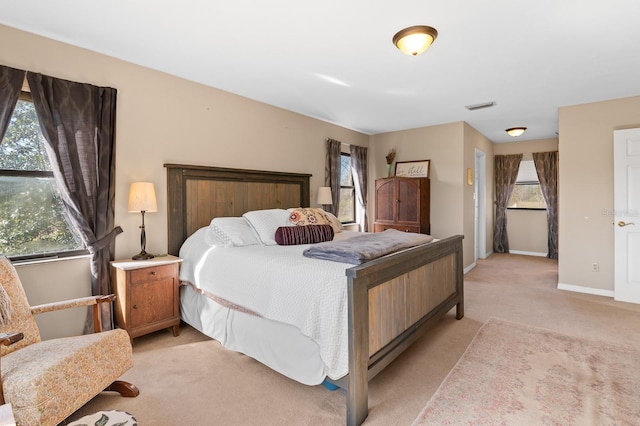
33 221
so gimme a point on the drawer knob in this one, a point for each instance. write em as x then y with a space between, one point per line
135 306
152 272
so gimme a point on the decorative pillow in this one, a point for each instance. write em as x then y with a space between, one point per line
265 223
314 216
308 216
309 234
233 231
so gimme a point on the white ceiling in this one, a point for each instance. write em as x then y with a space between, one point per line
334 59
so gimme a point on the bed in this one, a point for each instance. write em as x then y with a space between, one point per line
388 302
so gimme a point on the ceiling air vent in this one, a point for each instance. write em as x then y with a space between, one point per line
480 106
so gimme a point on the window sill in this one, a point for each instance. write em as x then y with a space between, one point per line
351 226
527 208
48 259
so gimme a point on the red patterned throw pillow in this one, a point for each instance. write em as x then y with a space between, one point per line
308 234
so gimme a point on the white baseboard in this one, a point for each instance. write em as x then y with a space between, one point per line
469 268
528 253
586 290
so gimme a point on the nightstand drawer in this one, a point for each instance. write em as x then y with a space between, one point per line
153 273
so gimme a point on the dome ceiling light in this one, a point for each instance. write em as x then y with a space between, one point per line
516 131
415 40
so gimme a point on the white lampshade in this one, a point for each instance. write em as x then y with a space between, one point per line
142 197
324 195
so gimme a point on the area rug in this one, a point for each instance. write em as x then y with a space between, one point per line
515 374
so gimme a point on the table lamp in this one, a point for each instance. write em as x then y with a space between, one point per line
142 198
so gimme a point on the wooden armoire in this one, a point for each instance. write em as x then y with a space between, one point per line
402 203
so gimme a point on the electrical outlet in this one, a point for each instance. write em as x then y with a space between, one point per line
595 267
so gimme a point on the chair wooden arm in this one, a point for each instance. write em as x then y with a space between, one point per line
7 339
74 303
71 303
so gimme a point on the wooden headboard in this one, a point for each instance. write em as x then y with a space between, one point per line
197 194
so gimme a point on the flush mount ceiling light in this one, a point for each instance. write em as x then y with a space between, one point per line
516 131
415 40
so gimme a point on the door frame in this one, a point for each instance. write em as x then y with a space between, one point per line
480 205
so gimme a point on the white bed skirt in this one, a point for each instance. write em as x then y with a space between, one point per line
280 346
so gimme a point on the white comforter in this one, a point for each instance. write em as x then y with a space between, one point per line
278 283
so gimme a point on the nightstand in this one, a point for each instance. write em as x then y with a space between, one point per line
147 294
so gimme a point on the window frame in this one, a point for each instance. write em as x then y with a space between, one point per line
26 97
536 182
352 187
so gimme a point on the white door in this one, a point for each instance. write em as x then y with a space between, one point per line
626 177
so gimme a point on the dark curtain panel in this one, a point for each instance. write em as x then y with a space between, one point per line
332 173
359 168
506 173
78 123
547 169
10 85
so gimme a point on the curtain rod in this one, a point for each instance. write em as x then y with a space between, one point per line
331 139
527 153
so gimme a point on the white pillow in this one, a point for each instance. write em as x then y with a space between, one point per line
266 222
232 231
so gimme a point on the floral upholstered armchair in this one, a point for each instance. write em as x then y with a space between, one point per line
45 381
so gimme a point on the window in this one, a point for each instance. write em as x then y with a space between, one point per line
33 220
526 193
347 209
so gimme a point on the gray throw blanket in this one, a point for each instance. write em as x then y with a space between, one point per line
366 247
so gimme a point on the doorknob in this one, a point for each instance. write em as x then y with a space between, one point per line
622 224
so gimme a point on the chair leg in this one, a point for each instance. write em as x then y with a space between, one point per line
124 388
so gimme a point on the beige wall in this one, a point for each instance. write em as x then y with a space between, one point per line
161 118
586 190
442 145
164 119
474 140
526 147
527 229
53 281
450 147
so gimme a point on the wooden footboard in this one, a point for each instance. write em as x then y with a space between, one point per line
392 301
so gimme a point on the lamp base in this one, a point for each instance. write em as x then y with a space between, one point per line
143 255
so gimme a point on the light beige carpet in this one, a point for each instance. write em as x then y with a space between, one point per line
516 374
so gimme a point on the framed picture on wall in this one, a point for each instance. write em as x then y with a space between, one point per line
413 169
